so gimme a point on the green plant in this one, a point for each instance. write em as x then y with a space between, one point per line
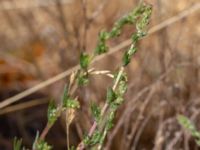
188 125
103 116
17 144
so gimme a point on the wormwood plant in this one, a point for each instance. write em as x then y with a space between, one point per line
103 116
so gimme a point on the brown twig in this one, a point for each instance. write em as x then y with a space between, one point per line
24 105
7 5
144 124
140 117
97 12
45 131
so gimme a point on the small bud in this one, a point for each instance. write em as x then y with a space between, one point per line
83 79
52 112
84 60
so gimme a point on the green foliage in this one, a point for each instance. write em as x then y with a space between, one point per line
114 97
187 124
17 144
65 95
69 102
108 126
126 59
103 36
143 13
96 111
111 96
86 140
42 145
52 112
94 139
120 89
84 60
82 76
82 79
72 148
122 86
140 15
135 37
144 19
101 48
128 54
111 117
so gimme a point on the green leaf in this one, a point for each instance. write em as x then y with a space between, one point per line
115 32
72 148
83 79
86 140
122 88
187 124
65 94
52 113
71 103
96 111
110 124
95 138
111 96
119 100
84 60
17 144
103 36
131 18
101 48
135 37
126 58
132 51
128 54
144 19
42 145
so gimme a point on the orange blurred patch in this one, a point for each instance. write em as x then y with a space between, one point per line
38 48
11 76
2 61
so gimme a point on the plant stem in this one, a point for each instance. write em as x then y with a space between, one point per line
45 131
81 146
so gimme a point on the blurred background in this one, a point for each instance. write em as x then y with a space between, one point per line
41 38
